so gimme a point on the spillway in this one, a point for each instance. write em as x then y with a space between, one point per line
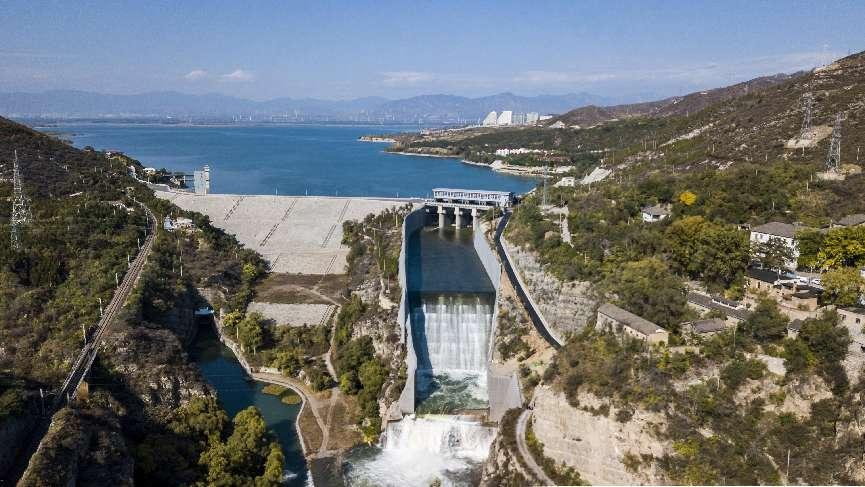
451 334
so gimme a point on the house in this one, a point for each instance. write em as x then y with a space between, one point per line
704 328
177 224
785 232
793 328
149 170
735 313
850 220
655 213
614 318
853 318
760 280
558 125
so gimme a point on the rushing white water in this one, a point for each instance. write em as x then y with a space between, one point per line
418 450
451 333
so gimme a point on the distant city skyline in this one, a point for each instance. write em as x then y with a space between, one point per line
346 50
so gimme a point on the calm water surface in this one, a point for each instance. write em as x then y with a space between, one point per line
226 375
291 159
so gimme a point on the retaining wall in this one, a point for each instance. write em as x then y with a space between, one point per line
413 222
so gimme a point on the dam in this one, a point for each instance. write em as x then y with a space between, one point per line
444 427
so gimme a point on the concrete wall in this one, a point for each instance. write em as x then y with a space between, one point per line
413 222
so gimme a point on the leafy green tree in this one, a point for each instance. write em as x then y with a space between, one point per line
773 254
288 362
843 247
250 331
843 286
231 322
647 288
825 338
272 475
766 322
809 243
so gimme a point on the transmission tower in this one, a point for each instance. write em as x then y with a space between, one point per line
833 160
20 206
807 107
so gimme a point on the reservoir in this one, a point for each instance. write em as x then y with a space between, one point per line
318 160
236 392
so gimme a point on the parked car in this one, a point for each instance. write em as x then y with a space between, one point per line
816 281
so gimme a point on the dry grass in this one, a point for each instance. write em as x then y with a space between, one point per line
301 289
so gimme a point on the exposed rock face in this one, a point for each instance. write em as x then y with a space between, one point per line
501 469
596 445
82 447
567 306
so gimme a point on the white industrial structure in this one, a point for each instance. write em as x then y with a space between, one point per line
509 118
490 119
202 180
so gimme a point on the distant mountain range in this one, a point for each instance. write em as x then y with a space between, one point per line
425 108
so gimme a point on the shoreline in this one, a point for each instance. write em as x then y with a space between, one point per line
234 347
505 169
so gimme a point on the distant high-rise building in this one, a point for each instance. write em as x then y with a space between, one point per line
532 118
506 118
490 119
518 119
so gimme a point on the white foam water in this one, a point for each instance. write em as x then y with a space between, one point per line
421 449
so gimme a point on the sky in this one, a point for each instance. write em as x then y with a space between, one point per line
340 50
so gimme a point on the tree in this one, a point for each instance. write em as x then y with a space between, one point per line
843 286
647 288
231 321
826 340
809 243
250 332
687 198
843 247
272 475
766 322
773 254
717 253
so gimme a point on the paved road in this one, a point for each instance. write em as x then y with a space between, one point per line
524 449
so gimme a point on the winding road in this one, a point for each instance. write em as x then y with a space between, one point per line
529 459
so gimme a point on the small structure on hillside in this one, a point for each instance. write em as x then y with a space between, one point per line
734 311
655 213
704 328
783 232
853 220
179 223
612 317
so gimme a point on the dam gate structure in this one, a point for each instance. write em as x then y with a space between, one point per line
450 280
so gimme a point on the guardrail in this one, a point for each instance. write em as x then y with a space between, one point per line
519 286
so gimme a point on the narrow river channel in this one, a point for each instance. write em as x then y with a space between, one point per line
236 392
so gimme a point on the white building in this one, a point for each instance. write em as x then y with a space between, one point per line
513 152
655 213
566 182
506 118
785 232
532 118
490 119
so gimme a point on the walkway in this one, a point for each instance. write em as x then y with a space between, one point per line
526 453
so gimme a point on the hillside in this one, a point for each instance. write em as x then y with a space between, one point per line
145 396
673 106
777 380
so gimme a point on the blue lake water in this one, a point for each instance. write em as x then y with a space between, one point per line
291 159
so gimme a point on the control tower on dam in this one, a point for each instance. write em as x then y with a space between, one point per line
448 314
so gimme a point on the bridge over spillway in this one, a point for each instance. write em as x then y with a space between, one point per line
459 204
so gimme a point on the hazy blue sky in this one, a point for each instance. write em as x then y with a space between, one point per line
266 49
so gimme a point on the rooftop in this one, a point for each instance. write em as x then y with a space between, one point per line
710 303
852 220
711 325
777 229
765 275
656 210
633 321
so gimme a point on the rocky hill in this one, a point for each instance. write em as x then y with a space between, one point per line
673 106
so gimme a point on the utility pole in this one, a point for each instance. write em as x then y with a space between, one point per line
20 207
544 202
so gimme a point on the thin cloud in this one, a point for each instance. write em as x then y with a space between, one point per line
195 75
401 78
238 76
